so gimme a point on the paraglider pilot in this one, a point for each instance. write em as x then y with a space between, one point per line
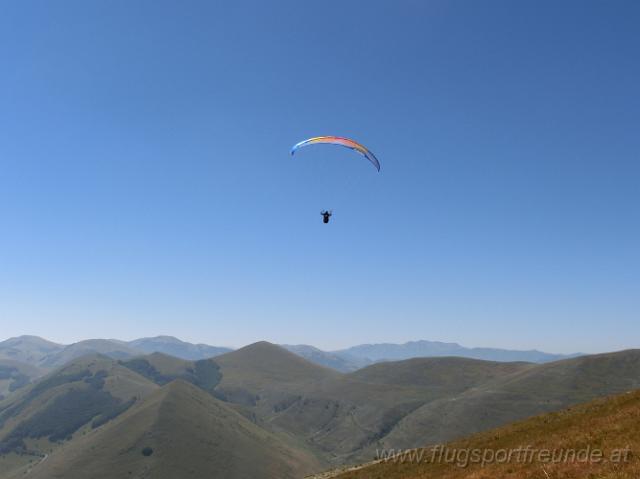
325 216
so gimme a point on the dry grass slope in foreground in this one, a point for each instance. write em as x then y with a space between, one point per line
607 425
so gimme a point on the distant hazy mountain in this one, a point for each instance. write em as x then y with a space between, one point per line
45 354
175 347
41 353
425 349
108 347
28 349
343 363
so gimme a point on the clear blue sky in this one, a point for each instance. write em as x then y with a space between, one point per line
146 185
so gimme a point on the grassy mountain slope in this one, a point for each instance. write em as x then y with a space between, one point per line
341 415
158 367
341 418
368 405
534 390
191 434
89 391
162 369
15 375
448 373
606 424
328 411
267 374
408 403
263 363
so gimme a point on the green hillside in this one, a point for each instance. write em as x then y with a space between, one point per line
15 375
341 416
407 403
542 388
333 417
179 431
87 393
607 428
447 374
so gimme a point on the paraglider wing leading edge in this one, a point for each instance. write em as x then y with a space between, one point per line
337 140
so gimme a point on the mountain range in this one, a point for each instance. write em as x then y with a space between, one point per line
46 354
263 411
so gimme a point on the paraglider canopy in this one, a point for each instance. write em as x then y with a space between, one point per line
337 140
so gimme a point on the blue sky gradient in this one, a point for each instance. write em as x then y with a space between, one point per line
146 185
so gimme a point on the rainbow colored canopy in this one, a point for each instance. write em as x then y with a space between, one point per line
337 140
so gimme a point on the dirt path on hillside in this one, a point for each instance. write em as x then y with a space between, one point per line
341 470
